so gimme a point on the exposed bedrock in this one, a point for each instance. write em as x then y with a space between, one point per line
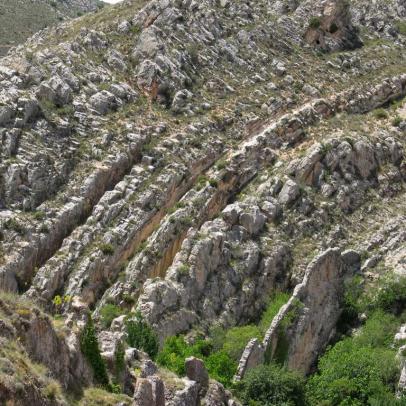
303 327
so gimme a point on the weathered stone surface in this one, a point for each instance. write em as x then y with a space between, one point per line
311 312
196 371
289 193
177 159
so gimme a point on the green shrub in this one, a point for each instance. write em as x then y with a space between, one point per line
90 349
360 370
401 26
213 182
271 385
352 303
106 249
176 350
391 297
396 121
221 367
38 215
378 330
380 114
13 224
173 354
141 336
119 361
108 313
218 363
352 374
333 28
314 22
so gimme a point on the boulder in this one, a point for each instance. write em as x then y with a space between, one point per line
289 193
252 219
103 102
196 371
55 91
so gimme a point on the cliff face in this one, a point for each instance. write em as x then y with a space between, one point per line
186 160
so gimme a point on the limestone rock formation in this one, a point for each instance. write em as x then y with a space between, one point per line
181 163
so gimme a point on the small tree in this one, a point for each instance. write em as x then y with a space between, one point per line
140 335
89 346
271 385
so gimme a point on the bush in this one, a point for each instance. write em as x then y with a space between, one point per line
401 26
90 349
107 249
391 297
141 336
378 331
119 361
271 385
218 363
380 114
221 367
108 313
352 374
352 303
176 350
315 22
359 370
396 121
173 354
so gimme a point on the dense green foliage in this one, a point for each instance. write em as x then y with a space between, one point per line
391 297
108 313
359 370
224 348
271 385
234 340
90 349
140 335
219 364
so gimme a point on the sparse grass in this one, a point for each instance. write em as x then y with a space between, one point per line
380 114
396 121
401 26
100 397
108 313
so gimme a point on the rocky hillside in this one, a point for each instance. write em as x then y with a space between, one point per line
20 19
204 203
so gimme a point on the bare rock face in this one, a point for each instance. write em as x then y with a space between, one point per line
143 393
65 362
28 335
304 326
333 29
196 371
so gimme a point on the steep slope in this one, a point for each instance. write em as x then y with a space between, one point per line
20 19
183 162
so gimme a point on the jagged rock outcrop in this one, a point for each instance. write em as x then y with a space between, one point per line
28 335
304 326
187 160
